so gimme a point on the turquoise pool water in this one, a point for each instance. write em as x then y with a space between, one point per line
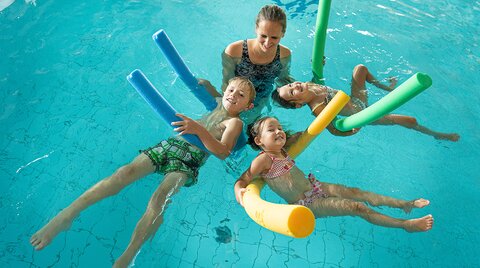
68 118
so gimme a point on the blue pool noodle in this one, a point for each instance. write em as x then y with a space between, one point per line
138 80
169 51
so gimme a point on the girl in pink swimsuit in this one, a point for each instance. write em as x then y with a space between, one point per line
281 174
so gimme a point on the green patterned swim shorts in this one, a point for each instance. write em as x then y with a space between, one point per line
177 155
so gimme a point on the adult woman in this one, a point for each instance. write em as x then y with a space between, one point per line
262 60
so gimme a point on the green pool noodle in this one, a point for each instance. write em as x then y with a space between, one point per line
319 40
400 95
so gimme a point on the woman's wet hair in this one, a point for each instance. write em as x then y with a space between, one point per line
272 13
282 102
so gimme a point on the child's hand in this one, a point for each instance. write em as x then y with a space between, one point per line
331 128
239 195
187 126
348 133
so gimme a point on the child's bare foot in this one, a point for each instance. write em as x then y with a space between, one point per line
419 225
417 203
448 137
44 236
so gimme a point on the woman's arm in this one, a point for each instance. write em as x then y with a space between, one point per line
209 87
284 77
230 58
292 139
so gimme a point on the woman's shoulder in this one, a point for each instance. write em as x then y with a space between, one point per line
284 52
234 49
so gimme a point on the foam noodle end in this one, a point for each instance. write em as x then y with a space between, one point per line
301 222
424 79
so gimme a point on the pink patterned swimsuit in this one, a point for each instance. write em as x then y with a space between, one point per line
282 166
279 166
314 193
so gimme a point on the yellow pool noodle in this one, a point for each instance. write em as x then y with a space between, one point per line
320 123
291 220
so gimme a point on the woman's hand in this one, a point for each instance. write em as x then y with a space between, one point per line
204 82
209 87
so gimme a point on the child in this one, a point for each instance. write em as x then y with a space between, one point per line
174 157
324 199
297 94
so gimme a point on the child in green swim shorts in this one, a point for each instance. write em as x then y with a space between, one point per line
176 158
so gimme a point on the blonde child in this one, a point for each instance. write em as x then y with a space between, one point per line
275 167
174 157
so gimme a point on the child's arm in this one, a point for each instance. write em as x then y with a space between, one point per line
331 128
292 139
260 164
220 149
337 132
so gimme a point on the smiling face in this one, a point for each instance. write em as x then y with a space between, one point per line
271 136
296 93
237 97
269 34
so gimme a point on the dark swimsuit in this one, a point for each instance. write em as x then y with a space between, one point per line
261 75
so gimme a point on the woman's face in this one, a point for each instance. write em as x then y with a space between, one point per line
295 92
269 34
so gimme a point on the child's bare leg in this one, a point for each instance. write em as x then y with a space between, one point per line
374 199
140 167
360 75
153 216
437 135
334 206
392 80
411 123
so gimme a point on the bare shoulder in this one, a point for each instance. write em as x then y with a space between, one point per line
234 122
262 163
234 49
264 158
284 51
